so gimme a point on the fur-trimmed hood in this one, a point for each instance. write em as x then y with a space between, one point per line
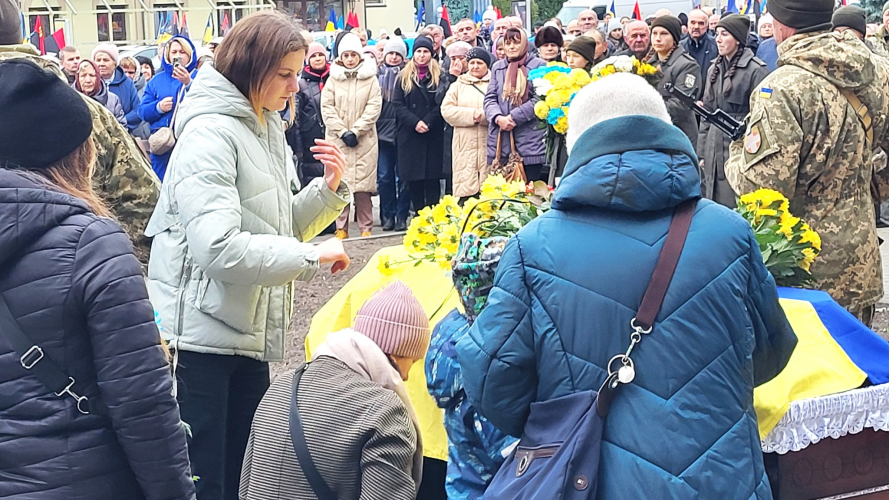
367 68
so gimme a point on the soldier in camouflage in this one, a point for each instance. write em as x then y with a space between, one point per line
805 139
880 40
122 176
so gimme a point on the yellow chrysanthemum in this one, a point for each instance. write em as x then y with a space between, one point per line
809 258
786 225
385 267
541 110
562 81
812 237
561 125
580 77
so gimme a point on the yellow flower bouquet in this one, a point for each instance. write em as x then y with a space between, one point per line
501 210
788 245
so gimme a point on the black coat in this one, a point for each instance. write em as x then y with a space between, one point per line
72 282
387 123
682 71
420 156
704 51
308 127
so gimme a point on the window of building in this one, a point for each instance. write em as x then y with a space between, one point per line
44 22
375 3
111 25
227 16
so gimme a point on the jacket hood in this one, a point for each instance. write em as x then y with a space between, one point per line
29 209
840 58
119 76
211 93
168 66
632 164
366 68
468 79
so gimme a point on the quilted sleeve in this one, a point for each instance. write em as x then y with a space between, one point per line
774 337
497 355
132 372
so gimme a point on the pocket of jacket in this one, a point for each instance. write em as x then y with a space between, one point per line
234 305
526 457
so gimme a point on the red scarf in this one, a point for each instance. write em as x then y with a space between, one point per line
515 86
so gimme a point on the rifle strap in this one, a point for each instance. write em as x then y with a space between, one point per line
862 112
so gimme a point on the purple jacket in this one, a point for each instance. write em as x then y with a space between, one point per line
528 133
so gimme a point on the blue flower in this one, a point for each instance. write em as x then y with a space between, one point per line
554 115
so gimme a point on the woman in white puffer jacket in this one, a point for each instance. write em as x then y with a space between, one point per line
230 237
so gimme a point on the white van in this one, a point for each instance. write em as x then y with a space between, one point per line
572 8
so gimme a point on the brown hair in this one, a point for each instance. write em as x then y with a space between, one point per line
250 53
72 175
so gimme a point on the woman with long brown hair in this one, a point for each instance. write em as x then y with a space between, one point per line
417 99
87 410
230 237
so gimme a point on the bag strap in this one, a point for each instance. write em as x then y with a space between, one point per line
298 436
666 265
35 360
512 143
861 112
499 140
179 96
652 301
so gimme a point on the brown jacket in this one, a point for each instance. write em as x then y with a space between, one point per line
464 98
351 101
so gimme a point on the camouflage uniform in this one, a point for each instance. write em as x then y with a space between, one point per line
805 140
123 176
879 43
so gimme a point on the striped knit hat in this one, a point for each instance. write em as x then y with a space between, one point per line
394 319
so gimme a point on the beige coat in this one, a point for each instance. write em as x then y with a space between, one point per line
464 98
351 101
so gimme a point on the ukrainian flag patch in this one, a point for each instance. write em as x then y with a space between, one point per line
765 93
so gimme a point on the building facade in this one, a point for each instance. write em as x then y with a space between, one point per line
87 23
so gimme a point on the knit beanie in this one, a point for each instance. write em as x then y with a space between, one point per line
615 24
315 48
737 25
371 50
458 49
851 16
10 23
615 96
395 45
585 46
349 43
489 14
109 49
50 118
766 19
394 319
885 8
548 34
479 53
423 42
670 23
802 14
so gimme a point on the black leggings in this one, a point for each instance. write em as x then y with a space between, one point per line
424 193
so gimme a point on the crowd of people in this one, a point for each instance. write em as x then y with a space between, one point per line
223 165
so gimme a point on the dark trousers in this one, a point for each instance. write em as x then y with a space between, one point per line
218 396
425 193
394 199
533 172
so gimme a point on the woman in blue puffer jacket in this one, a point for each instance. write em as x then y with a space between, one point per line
164 92
570 282
70 281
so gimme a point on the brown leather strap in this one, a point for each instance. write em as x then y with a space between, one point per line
497 153
862 113
666 264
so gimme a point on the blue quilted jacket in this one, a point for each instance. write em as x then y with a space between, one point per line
570 282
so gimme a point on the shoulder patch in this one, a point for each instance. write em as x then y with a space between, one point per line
765 93
759 142
690 80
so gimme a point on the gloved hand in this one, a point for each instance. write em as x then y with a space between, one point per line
350 139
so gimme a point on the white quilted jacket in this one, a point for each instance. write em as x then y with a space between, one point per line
228 230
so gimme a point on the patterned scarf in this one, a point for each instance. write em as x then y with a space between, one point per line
515 86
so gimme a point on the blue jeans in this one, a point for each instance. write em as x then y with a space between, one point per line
394 199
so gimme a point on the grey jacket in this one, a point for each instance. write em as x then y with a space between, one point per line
682 71
228 231
528 132
359 434
713 144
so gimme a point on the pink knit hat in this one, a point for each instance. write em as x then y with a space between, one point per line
315 48
394 319
109 49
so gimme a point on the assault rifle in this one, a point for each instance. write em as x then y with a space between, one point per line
719 118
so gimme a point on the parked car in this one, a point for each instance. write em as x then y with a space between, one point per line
149 51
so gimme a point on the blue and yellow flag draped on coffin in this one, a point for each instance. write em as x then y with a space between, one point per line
835 352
